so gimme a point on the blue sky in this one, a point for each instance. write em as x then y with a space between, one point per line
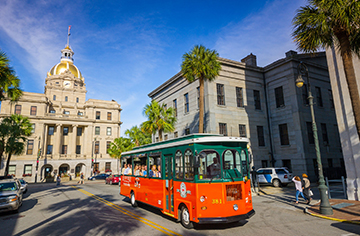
125 49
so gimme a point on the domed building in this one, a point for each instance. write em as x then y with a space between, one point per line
70 134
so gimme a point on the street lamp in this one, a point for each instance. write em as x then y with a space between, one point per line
37 160
325 207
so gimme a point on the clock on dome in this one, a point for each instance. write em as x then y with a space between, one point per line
67 84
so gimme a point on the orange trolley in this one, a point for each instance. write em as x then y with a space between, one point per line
201 178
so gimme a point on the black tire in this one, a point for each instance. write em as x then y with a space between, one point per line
133 200
284 185
276 183
185 218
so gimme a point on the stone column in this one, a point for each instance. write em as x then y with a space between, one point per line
57 141
85 139
72 142
44 144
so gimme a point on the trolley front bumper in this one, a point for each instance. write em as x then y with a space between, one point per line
226 219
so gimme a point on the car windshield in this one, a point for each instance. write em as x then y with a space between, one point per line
10 186
22 181
232 164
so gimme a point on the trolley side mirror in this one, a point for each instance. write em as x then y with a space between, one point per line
198 157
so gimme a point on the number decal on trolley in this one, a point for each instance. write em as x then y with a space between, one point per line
216 201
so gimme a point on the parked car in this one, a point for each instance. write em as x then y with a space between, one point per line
112 179
277 176
99 176
23 185
10 195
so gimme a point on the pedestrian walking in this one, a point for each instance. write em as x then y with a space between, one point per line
298 188
306 187
81 181
58 180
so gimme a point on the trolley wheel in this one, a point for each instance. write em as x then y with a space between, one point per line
133 200
185 218
276 183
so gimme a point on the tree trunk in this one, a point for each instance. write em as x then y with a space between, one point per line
160 135
346 56
201 106
7 165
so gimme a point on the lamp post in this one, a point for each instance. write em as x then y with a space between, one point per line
37 160
325 207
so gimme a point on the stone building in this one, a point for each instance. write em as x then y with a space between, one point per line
70 134
350 141
263 104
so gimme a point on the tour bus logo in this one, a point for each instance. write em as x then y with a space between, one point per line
137 183
183 191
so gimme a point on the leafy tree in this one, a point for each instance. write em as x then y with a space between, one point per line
200 63
328 23
14 130
9 82
119 146
160 119
137 136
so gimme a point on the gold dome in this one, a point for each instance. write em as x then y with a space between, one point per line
63 66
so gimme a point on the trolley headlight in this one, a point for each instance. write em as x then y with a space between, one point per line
235 206
202 199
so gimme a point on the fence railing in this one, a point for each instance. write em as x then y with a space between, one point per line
336 188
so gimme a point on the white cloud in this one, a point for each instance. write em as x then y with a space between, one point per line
266 34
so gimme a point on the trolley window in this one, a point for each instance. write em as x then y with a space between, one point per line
210 167
189 165
179 171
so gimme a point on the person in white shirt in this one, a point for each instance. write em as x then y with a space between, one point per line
298 188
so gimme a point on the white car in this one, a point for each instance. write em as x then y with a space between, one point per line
277 176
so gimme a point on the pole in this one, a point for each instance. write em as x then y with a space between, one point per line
325 207
37 160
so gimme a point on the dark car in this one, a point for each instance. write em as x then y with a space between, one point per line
99 176
112 179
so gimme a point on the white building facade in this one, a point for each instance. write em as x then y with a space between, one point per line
70 134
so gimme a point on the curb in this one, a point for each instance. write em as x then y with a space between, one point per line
330 218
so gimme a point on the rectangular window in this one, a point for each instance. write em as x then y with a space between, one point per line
324 134
67 112
287 164
54 97
65 131
257 100
52 111
165 137
189 165
175 106
97 130
33 128
179 167
64 149
77 99
284 136
18 109
176 134
242 131
279 97
264 163
80 113
198 97
331 99
108 143
30 147
107 166
97 115
220 94
186 103
260 134
187 131
33 110
239 97
51 130
319 100
78 149
97 147
12 170
223 129
109 116
310 132
305 95
28 170
49 149
79 131
108 131
66 98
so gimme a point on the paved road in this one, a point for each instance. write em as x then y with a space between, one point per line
98 209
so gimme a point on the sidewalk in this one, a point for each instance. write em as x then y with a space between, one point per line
343 211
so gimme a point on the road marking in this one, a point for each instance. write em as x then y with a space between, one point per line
129 213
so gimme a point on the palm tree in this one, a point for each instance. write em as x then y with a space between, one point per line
119 146
160 119
18 129
200 63
137 136
9 82
328 23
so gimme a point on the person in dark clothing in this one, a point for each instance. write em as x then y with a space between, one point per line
305 183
